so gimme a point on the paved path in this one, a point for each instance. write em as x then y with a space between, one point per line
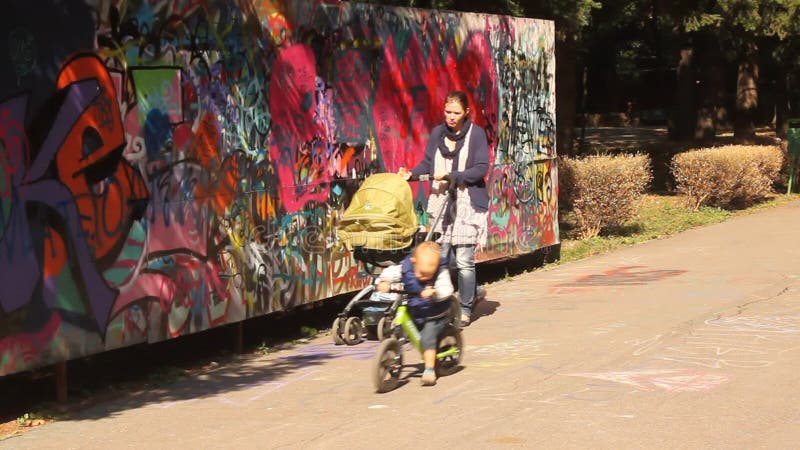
686 342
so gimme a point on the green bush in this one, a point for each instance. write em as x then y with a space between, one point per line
734 176
603 190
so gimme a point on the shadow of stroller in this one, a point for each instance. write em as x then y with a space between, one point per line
484 308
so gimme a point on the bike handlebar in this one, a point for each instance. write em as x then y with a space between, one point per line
397 287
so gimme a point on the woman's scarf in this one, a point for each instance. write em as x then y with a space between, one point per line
457 137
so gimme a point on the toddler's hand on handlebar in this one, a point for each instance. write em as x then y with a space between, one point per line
383 286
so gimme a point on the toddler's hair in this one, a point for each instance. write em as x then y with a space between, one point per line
428 248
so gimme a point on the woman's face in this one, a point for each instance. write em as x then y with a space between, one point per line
454 114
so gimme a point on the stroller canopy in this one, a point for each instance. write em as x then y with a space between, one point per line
380 216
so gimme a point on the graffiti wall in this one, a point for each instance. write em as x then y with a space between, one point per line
168 166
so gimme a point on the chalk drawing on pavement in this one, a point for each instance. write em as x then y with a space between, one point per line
606 328
671 380
509 353
618 276
644 345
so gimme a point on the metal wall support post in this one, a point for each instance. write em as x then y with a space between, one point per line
61 381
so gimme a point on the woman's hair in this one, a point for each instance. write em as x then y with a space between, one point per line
458 96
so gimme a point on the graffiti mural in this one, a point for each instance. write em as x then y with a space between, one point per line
169 166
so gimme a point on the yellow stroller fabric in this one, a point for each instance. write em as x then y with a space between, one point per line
380 216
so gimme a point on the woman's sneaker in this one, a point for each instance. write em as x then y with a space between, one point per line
464 320
480 294
428 377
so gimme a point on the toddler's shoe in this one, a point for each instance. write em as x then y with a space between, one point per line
428 377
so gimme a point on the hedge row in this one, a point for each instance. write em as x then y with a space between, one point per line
735 176
603 190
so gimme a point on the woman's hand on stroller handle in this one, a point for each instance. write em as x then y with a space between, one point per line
446 177
405 173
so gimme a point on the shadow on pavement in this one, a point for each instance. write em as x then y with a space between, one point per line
204 364
484 308
198 365
221 383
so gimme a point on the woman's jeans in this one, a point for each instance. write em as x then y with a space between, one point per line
465 263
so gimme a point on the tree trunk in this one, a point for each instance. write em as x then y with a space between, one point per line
604 95
684 112
783 108
744 130
566 94
711 113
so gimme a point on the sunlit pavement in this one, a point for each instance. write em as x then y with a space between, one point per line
687 342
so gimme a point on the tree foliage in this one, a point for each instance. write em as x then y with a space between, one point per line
766 18
507 7
735 45
572 15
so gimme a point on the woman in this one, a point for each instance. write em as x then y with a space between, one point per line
457 156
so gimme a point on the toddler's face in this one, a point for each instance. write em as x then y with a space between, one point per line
425 268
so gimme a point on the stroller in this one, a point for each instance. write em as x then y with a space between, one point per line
380 227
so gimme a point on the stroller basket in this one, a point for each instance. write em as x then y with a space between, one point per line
380 258
386 258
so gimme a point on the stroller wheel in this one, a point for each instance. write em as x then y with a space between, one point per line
386 366
353 331
384 328
455 312
336 332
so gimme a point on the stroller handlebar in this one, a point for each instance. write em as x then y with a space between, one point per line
427 177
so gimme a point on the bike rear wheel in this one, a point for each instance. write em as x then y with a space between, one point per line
451 343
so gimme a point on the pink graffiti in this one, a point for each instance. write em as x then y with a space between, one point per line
21 349
294 140
353 89
618 276
476 69
503 213
185 282
411 92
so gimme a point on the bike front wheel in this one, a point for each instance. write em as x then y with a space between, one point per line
386 365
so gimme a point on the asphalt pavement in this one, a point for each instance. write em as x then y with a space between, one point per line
691 341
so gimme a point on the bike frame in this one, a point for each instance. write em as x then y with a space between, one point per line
403 319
